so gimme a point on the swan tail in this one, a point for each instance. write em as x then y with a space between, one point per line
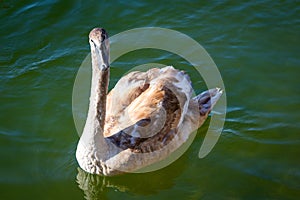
207 100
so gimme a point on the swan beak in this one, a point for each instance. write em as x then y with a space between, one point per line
104 51
100 45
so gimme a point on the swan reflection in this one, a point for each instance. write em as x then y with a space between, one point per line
96 187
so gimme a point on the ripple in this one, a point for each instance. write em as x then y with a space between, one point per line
261 127
25 9
254 44
258 140
19 136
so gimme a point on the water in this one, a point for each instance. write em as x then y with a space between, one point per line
256 47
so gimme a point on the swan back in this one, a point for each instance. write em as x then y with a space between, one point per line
147 97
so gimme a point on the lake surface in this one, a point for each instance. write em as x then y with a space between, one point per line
256 47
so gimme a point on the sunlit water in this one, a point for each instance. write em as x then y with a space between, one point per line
255 46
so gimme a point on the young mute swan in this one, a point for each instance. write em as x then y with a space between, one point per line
142 120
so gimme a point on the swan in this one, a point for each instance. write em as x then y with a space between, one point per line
142 120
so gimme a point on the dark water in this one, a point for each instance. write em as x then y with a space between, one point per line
256 47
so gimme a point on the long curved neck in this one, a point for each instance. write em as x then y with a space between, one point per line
93 131
100 81
93 149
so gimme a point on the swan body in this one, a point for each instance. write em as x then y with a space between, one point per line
142 120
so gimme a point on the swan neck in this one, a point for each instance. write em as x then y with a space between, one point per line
99 89
101 94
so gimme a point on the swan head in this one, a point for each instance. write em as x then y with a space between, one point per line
98 39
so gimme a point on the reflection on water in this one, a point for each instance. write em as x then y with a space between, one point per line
96 186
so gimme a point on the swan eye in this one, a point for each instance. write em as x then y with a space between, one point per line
92 41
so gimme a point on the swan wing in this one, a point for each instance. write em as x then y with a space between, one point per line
147 106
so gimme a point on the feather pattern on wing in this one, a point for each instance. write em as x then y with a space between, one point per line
149 110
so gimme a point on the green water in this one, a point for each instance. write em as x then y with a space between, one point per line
256 47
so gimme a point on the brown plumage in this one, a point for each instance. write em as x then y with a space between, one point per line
146 107
142 120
